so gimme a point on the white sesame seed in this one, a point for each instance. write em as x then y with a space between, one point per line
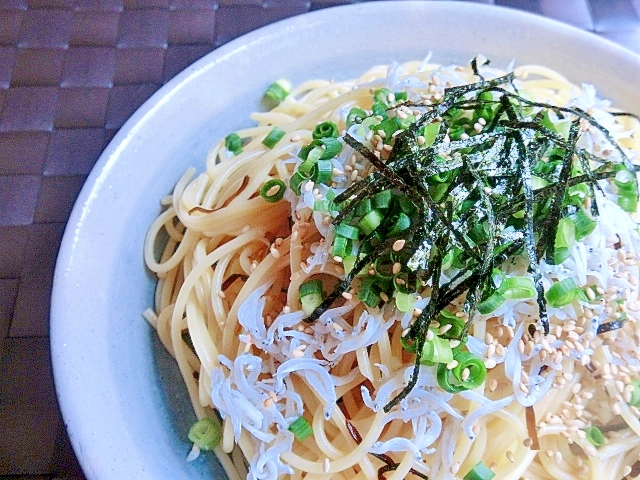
490 363
398 245
326 466
445 328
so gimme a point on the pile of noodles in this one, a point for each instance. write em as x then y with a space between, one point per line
227 309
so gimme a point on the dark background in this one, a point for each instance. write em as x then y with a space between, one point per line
71 73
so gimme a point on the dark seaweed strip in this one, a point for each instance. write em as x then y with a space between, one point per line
460 90
370 185
529 233
609 326
391 175
592 121
408 190
420 327
517 204
592 183
485 270
559 192
503 158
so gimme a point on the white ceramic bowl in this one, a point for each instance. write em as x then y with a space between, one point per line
122 399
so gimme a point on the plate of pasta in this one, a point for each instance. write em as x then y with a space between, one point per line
384 240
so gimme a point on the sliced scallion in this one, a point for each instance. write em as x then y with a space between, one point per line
278 91
355 115
437 350
205 434
233 143
635 393
370 221
322 171
310 295
273 190
325 130
405 302
301 429
480 472
273 137
562 293
595 436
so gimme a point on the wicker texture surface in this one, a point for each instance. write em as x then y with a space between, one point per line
71 73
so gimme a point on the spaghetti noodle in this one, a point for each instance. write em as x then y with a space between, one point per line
233 261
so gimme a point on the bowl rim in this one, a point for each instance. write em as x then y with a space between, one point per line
67 383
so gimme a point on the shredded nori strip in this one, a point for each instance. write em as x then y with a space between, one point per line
475 196
610 326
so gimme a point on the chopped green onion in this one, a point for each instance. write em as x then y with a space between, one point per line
205 434
273 137
562 293
491 304
595 436
474 365
480 472
584 224
325 130
627 189
321 149
347 231
469 373
310 295
457 324
348 263
364 207
518 288
355 115
322 171
408 344
296 181
273 190
382 199
405 302
233 143
301 429
635 393
401 96
560 255
382 96
341 246
367 294
565 234
332 147
370 221
399 224
430 132
306 167
437 350
389 126
321 205
278 91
